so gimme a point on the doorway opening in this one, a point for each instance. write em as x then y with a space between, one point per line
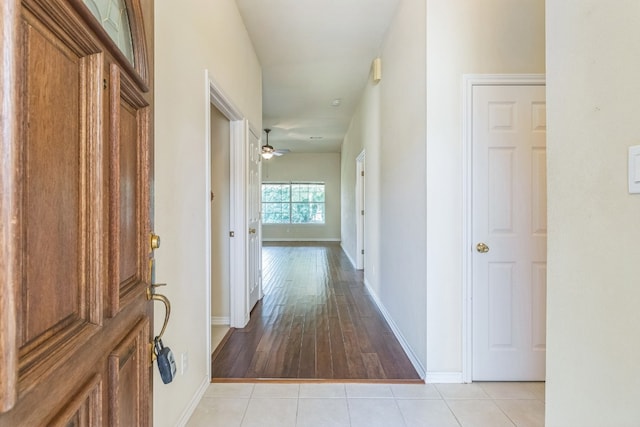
226 132
220 132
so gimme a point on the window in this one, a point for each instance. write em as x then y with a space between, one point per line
112 14
293 203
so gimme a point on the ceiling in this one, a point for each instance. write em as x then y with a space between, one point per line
314 52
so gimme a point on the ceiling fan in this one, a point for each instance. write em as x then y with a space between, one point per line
268 151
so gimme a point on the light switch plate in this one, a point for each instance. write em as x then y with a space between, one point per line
634 169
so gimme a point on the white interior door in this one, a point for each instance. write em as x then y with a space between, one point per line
253 235
509 232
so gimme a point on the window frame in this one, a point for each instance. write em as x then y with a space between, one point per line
290 202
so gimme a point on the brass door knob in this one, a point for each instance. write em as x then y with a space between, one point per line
155 241
482 248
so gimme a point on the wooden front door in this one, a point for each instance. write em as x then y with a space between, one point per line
75 257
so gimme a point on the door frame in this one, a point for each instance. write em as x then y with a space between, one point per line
360 207
239 128
469 81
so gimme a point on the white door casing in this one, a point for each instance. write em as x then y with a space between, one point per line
360 210
240 129
508 214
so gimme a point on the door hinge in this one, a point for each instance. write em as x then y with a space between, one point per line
362 251
362 212
232 234
361 173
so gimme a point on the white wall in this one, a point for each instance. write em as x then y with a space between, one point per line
593 98
318 167
220 220
389 124
402 288
363 134
191 38
463 37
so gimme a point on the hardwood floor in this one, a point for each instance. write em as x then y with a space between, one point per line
316 321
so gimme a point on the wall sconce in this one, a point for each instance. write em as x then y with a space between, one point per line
376 71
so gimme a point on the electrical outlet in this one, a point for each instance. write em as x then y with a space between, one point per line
184 363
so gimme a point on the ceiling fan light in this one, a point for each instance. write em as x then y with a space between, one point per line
267 150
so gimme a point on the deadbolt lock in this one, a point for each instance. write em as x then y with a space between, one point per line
155 241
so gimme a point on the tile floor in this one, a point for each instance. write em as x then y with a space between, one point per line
371 405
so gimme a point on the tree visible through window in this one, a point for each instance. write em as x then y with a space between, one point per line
293 203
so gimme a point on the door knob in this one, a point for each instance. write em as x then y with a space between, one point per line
482 248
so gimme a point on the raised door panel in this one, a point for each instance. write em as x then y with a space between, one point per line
84 409
59 254
128 379
129 126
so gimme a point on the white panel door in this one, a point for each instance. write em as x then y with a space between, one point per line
254 243
509 231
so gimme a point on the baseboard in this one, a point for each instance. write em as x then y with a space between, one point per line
193 403
220 320
444 378
348 256
396 331
299 239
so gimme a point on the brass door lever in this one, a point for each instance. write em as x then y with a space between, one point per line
152 295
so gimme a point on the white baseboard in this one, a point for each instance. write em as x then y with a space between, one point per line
220 320
193 403
444 378
299 239
396 331
348 256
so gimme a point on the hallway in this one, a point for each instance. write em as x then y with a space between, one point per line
316 321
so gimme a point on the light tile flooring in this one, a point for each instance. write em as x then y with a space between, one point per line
371 405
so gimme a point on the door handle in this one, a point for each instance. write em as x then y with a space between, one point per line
482 248
159 352
162 355
153 296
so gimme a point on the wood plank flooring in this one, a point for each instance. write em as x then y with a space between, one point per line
316 321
